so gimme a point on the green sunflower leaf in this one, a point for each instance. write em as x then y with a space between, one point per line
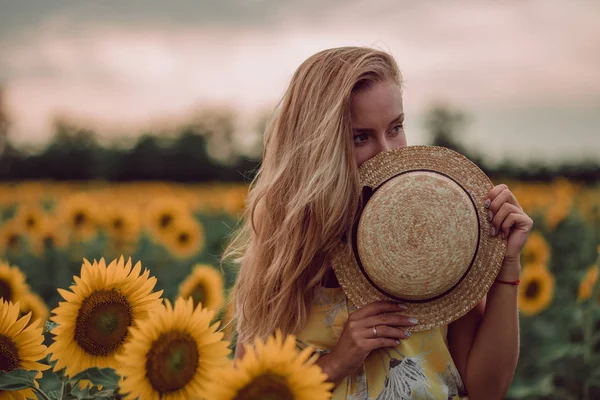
91 393
80 393
54 395
105 377
93 390
17 379
105 394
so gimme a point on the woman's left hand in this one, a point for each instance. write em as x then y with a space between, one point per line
508 220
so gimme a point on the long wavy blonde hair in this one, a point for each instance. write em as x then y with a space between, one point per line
306 193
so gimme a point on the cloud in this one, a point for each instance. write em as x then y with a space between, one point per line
122 68
20 16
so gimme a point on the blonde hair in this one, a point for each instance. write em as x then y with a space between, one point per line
306 193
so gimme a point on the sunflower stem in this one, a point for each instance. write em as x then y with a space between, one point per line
62 388
41 394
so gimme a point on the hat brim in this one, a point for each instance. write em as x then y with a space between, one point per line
490 250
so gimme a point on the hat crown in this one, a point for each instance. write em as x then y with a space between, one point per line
417 236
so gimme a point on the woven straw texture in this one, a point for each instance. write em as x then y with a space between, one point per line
418 234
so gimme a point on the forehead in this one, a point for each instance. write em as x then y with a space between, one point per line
377 104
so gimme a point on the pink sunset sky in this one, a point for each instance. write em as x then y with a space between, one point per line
526 72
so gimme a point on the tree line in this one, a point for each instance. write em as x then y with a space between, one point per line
187 155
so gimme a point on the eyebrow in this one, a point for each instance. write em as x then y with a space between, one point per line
360 130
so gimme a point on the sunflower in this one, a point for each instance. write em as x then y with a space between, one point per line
536 250
49 237
271 370
123 226
30 217
12 283
536 289
21 346
121 223
234 200
186 238
587 283
205 286
170 354
79 214
94 321
12 238
34 304
162 214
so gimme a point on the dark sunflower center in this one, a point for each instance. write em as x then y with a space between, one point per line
30 222
267 386
199 294
5 291
172 361
118 224
102 322
48 242
9 354
79 218
14 240
165 220
183 237
533 289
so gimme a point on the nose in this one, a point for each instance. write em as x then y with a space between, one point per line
383 145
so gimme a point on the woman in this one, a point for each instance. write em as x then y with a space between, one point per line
344 106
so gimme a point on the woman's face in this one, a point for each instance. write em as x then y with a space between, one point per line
377 120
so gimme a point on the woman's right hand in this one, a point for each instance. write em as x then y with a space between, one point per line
358 339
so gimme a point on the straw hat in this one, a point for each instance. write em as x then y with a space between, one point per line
422 237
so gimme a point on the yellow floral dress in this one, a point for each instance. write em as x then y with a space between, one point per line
420 367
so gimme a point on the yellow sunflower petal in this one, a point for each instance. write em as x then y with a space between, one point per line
95 319
165 357
536 289
270 369
12 283
21 347
205 286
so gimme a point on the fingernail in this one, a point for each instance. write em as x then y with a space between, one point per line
493 231
490 216
407 333
402 306
413 321
487 203
397 341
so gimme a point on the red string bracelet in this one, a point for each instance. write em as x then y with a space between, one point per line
515 283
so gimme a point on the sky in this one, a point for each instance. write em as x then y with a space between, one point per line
525 72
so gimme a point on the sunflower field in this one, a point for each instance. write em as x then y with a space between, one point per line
125 267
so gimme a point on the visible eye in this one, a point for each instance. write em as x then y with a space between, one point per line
360 138
397 129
